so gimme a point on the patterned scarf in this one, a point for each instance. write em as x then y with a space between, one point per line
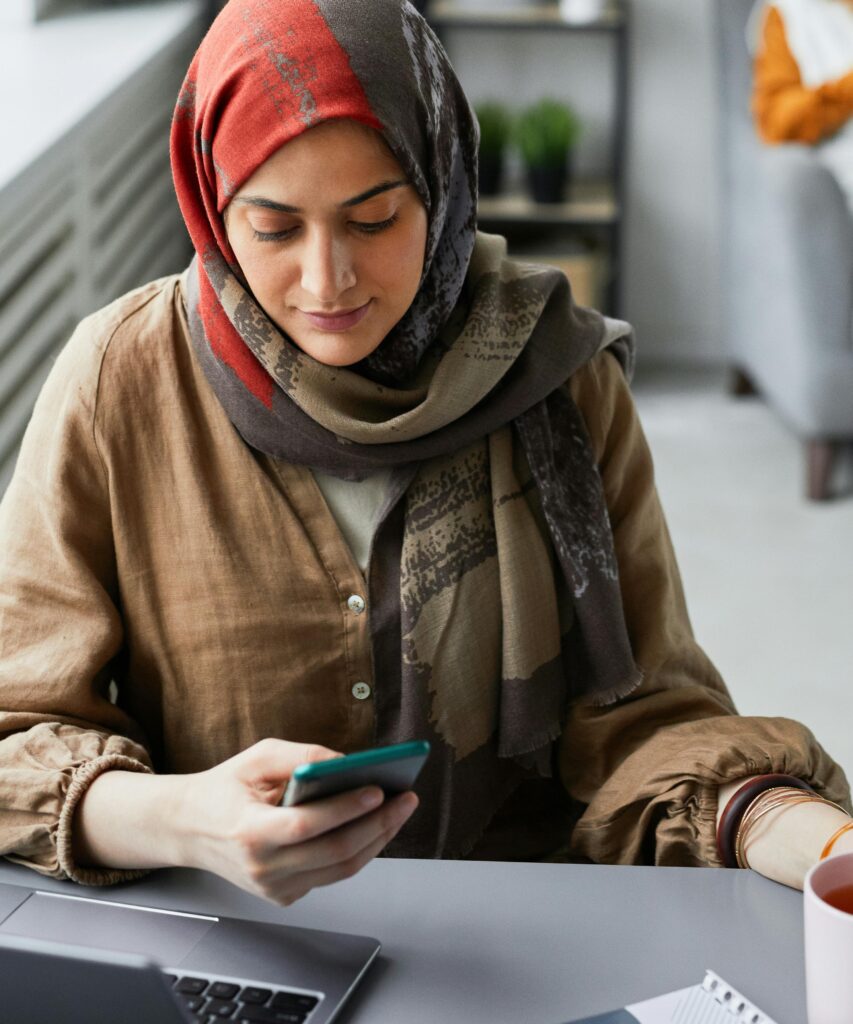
504 596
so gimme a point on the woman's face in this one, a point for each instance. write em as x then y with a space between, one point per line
331 239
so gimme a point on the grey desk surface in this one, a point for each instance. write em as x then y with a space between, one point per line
475 942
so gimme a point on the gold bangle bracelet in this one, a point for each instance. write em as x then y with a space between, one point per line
764 803
837 834
787 794
749 823
780 797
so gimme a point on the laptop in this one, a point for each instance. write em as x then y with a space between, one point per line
68 959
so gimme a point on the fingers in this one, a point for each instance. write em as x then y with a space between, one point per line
290 826
339 845
270 762
342 843
338 855
345 869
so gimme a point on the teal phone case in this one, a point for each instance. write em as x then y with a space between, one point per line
394 769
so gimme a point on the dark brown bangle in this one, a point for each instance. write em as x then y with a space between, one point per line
737 805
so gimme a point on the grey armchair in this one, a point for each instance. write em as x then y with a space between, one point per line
787 269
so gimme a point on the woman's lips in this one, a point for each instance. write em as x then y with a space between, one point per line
337 321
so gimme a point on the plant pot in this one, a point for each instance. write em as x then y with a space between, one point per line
548 184
489 173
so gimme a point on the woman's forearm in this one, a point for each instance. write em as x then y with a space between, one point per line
228 819
132 820
787 841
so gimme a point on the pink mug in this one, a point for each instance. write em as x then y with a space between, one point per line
829 943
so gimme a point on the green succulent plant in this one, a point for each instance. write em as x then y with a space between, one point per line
545 132
495 127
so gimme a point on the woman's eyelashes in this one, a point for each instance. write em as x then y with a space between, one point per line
374 227
272 236
362 227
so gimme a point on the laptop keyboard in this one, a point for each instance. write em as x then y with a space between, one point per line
210 1000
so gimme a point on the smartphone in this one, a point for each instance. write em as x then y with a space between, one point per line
394 769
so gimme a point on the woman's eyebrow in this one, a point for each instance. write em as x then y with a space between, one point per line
362 197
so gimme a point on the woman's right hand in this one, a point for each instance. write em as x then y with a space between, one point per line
242 833
228 820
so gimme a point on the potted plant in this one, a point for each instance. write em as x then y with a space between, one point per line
495 126
545 133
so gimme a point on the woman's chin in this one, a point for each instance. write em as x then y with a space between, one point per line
336 351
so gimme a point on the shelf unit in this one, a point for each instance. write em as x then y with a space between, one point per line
589 204
591 208
448 13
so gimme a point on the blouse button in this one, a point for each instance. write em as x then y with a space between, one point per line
361 691
355 604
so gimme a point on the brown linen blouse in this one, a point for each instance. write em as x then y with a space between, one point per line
144 544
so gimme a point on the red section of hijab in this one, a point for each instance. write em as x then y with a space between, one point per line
265 72
227 345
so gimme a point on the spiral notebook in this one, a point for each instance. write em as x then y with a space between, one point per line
711 1002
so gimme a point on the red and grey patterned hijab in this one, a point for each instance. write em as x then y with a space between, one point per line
267 71
270 69
503 512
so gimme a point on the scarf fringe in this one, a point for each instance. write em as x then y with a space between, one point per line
533 743
600 700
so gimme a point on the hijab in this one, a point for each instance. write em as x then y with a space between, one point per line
493 586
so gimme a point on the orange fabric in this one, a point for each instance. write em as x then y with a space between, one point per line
785 110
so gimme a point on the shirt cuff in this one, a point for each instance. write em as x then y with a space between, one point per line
83 777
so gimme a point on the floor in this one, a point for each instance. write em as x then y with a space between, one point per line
768 575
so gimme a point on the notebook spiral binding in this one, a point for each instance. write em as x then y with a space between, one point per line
742 1010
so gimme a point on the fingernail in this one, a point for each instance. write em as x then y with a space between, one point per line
371 797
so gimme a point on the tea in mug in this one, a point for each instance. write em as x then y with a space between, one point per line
841 898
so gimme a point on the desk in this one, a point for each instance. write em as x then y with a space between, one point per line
471 943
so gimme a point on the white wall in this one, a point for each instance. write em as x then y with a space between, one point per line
673 287
672 237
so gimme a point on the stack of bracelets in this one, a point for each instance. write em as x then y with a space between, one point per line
744 809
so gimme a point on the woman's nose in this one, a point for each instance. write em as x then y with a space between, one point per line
327 267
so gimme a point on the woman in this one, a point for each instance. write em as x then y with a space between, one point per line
803 84
355 477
